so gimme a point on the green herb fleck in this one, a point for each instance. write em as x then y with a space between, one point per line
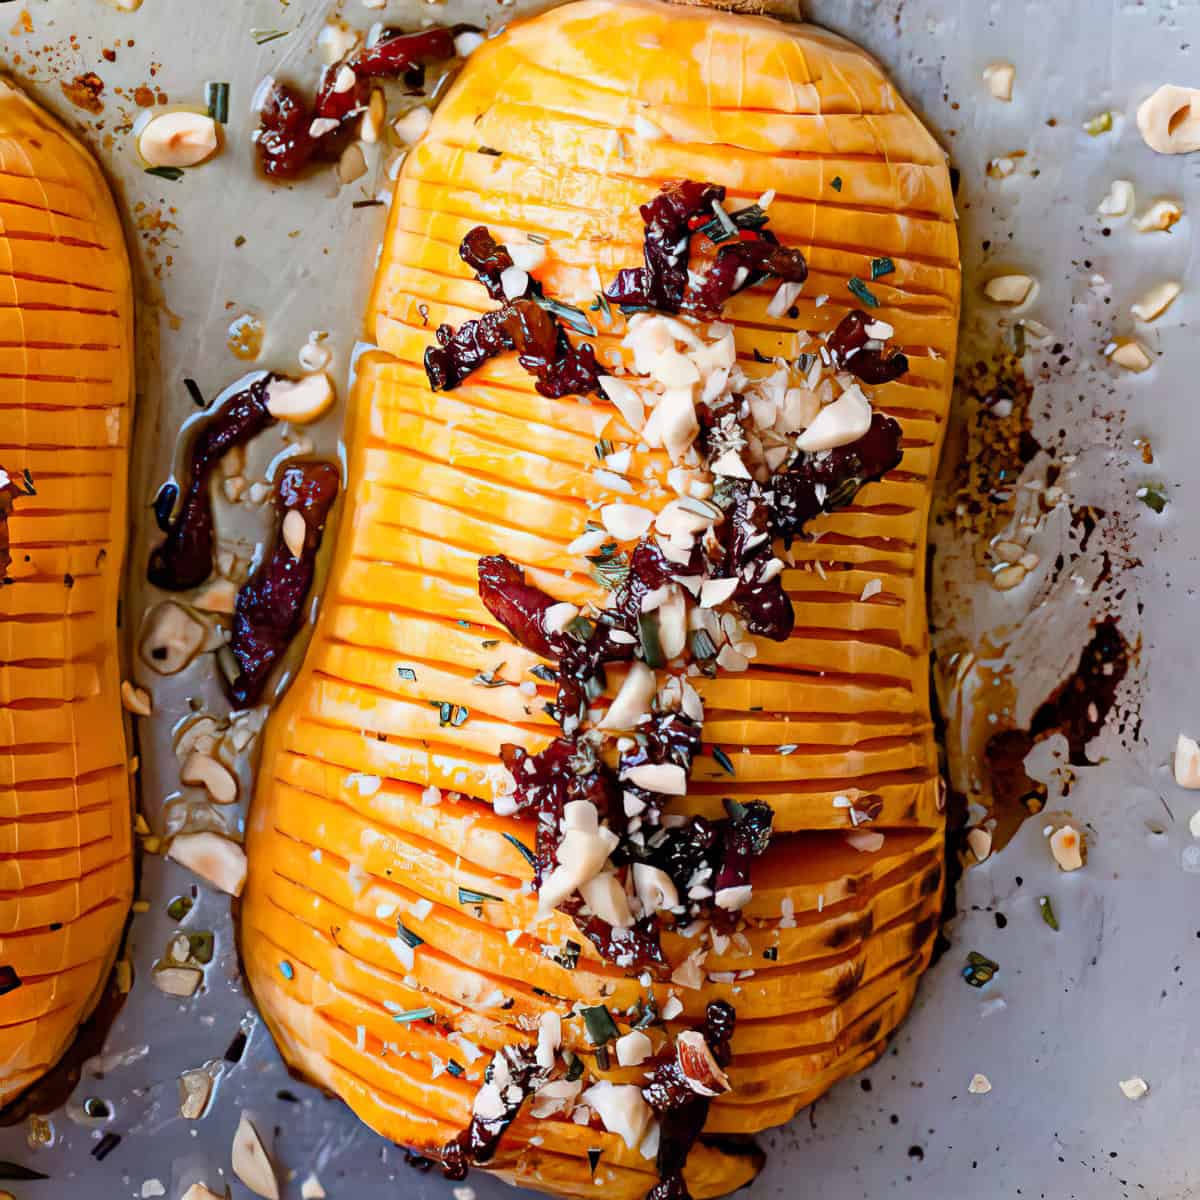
201 946
455 715
413 1014
1153 496
470 896
648 632
881 267
180 907
287 970
174 174
490 643
574 1067
522 849
771 953
1047 910
455 1068
216 97
544 673
598 1023
406 935
407 674
702 645
263 36
836 183
573 316
580 628
980 970
603 449
593 1154
723 760
863 292
490 679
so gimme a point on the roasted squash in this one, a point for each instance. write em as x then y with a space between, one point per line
374 799
66 388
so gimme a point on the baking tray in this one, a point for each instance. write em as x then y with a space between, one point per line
1107 996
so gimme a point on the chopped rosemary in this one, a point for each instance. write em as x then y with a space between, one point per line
414 1014
836 183
179 907
881 267
490 679
407 674
193 390
980 969
573 316
723 760
521 849
1153 496
574 1066
702 645
863 292
1048 914
489 150
216 97
174 174
406 935
602 305
470 896
725 221
752 217
201 945
450 714
598 1023
648 634
263 36
581 629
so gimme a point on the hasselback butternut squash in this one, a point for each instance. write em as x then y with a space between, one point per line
406 926
66 387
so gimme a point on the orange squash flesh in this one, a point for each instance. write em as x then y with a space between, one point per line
66 308
344 838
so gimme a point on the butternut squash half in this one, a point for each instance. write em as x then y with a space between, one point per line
389 927
66 386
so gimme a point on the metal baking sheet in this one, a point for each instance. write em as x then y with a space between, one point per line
1106 997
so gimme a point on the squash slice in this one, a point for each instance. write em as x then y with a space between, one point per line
372 808
66 856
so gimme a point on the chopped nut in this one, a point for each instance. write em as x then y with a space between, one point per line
1169 120
700 1069
1066 844
1160 216
311 1188
1009 577
1135 1088
1009 289
178 139
233 487
212 857
251 1163
300 401
1001 168
998 77
135 699
1187 762
1156 301
1130 354
295 532
195 1089
178 981
172 638
217 780
633 1049
621 1109
980 843
374 117
219 597
980 1085
352 164
412 125
1119 201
